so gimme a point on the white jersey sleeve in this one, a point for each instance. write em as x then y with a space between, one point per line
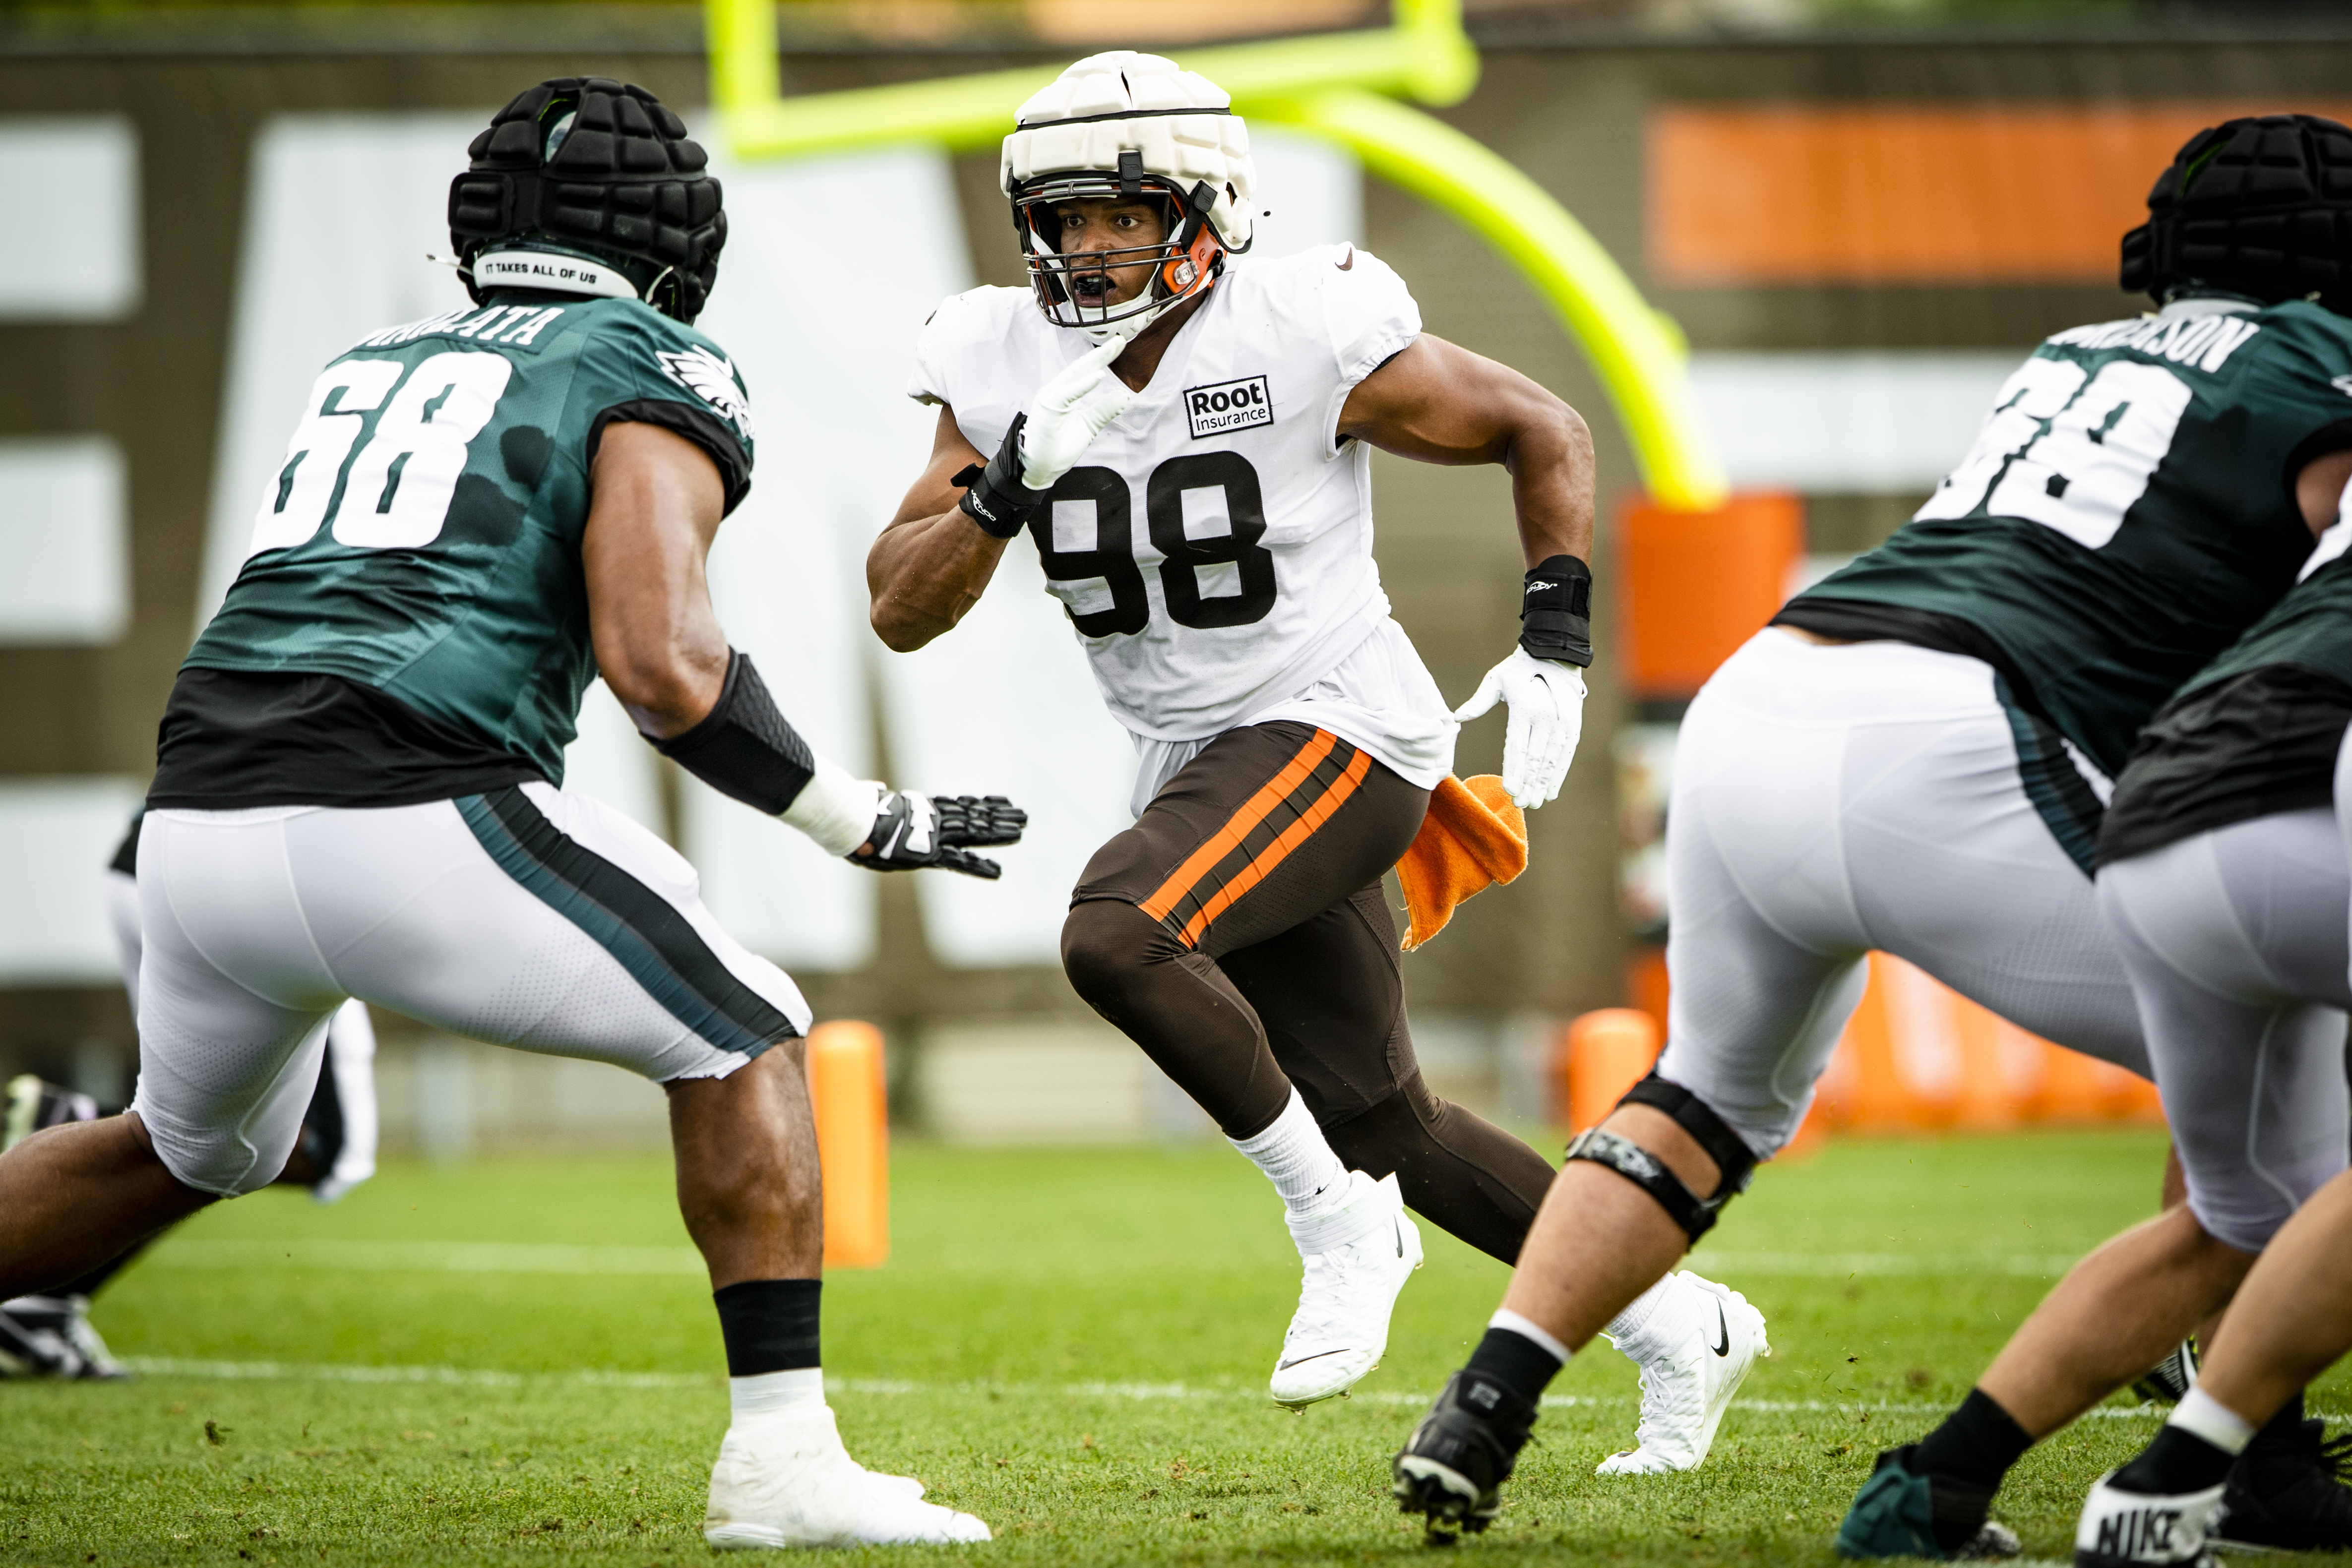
1213 548
957 338
1370 316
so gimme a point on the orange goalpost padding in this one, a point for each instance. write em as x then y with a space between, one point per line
848 1092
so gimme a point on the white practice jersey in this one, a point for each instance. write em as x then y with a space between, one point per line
1213 548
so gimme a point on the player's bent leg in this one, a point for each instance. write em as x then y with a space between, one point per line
542 920
1330 992
1270 826
2222 935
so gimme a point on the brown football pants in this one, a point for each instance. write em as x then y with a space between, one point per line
1238 933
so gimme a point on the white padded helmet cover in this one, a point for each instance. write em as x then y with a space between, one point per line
1184 149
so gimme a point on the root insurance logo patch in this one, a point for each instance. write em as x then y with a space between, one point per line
1228 406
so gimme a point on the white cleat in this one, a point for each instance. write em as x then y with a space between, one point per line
785 1480
2125 1529
1358 1253
1694 1353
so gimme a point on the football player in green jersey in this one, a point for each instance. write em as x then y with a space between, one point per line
1913 760
2224 880
358 783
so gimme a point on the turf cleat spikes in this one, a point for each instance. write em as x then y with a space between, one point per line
1452 1468
1357 1255
1693 1355
2285 1493
1900 1514
2144 1530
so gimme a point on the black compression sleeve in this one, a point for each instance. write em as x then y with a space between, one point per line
1556 611
744 748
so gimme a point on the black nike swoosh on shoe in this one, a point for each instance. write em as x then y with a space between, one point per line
1302 1361
1724 1325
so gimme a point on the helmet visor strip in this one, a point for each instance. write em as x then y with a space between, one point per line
1076 288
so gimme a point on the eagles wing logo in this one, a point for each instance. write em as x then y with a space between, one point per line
712 379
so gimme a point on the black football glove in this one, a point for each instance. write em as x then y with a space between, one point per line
915 830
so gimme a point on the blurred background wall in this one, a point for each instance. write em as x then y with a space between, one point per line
1861 218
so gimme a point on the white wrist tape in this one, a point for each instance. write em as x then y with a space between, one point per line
834 810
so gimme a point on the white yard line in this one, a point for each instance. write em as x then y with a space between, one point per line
555 1258
2029 1265
473 1377
425 1257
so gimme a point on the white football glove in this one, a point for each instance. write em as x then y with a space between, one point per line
1547 717
1068 412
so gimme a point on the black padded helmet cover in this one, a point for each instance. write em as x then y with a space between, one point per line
623 184
2261 206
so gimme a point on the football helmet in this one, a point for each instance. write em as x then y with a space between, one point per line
1123 124
584 169
2260 206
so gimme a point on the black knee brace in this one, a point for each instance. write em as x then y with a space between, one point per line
1733 1160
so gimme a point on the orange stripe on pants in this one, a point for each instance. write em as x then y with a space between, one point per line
1273 855
1237 828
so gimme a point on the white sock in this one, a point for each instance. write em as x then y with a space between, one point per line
2204 1415
1297 1158
773 1393
1638 1313
1527 1328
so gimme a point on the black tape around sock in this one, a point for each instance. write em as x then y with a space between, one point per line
770 1325
1976 1443
1524 1368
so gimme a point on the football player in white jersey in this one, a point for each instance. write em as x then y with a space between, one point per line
1189 444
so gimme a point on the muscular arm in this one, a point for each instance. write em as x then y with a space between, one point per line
1437 402
932 564
2320 488
656 504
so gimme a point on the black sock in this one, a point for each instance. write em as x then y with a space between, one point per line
1976 1443
770 1325
2282 1429
1524 1368
2179 1461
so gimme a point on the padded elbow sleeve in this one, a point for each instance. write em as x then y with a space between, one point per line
744 747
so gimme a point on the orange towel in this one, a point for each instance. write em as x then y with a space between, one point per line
1472 837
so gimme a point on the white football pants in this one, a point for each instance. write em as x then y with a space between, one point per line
2236 941
350 1054
528 917
1832 798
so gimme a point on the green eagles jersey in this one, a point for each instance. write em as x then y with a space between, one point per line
2311 628
422 537
2257 731
2127 509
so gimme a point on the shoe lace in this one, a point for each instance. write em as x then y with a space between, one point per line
2335 1456
1323 1296
1671 1396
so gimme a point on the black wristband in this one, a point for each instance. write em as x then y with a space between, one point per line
1556 611
994 497
744 748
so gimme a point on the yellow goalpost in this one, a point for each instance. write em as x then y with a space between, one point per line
1345 88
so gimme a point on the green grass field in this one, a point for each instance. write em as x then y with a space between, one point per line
517 1361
